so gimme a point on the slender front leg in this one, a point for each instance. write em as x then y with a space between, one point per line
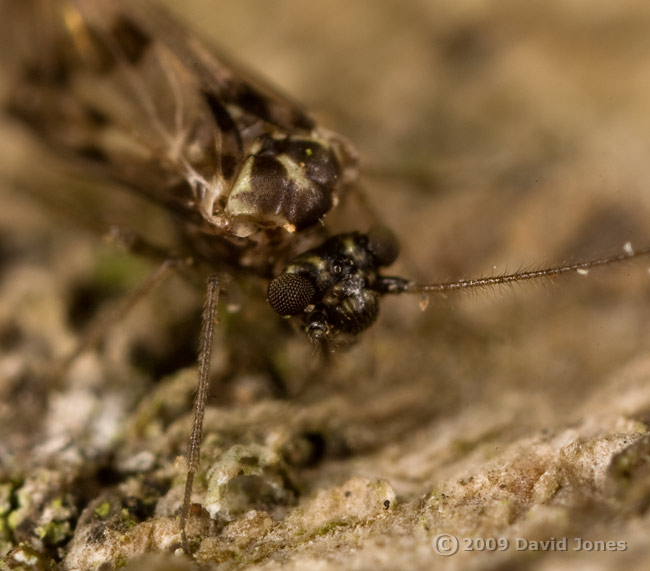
209 321
115 314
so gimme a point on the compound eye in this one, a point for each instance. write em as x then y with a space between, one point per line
290 294
383 245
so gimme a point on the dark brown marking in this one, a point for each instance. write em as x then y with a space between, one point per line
228 166
302 121
320 163
275 192
270 183
92 153
57 73
133 41
97 117
221 116
252 102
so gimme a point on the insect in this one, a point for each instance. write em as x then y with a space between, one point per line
210 191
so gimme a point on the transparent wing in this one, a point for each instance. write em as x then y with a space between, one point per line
123 87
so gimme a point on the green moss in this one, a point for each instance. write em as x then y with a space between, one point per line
26 557
127 520
54 533
463 446
334 524
6 491
102 510
14 519
117 271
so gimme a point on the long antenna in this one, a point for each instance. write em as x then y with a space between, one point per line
579 267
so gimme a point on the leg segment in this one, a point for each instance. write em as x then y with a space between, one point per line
209 320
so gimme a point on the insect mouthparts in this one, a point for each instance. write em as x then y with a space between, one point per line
335 287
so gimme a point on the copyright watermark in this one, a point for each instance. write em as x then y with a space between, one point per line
447 544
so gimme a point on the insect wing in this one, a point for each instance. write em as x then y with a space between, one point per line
125 89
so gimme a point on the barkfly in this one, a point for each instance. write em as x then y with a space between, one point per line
249 176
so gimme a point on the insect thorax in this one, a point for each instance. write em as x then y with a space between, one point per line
287 181
242 169
172 121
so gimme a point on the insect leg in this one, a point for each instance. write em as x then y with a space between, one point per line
127 239
115 314
209 320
